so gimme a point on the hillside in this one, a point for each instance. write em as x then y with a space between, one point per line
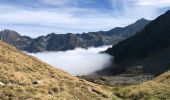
157 89
147 50
69 41
25 77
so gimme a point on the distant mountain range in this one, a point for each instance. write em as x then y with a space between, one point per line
69 41
148 51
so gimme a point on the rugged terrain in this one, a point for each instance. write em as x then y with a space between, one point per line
25 77
69 41
142 62
147 51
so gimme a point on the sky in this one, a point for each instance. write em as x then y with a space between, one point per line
40 17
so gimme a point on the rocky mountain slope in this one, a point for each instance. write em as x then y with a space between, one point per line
62 42
15 39
129 30
25 77
147 51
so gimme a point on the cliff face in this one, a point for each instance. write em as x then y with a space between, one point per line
25 77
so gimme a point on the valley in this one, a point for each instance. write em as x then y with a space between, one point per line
128 58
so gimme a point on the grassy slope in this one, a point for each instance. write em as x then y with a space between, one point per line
157 89
18 72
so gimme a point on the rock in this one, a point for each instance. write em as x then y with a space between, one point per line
56 90
100 93
2 84
62 89
37 82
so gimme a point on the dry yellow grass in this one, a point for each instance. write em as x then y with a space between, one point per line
25 77
157 89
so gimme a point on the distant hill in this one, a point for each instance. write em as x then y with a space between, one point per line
24 77
69 41
148 50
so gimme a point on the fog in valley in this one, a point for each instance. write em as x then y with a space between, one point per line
79 61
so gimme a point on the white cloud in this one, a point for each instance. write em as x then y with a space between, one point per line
130 9
58 20
76 19
79 61
156 3
55 2
36 17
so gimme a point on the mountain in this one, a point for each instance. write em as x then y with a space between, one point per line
25 77
15 39
69 41
148 50
129 30
63 42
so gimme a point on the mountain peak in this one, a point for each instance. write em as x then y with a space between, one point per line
129 30
153 38
142 20
167 12
10 32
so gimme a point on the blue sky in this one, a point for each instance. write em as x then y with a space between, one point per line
41 17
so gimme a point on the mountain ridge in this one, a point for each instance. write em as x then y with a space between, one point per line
69 41
148 49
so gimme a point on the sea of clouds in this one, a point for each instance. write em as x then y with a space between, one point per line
79 61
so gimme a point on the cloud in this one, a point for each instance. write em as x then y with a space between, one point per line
79 61
155 3
37 17
60 20
130 9
56 2
31 17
